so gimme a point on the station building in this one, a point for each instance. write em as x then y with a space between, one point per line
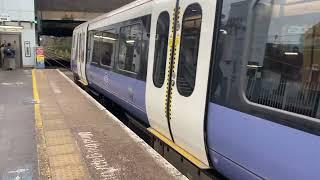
17 26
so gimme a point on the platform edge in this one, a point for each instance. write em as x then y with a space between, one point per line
154 154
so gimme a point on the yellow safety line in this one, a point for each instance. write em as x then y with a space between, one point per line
181 151
43 167
83 82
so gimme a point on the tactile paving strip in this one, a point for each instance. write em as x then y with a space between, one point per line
61 149
58 133
69 173
56 124
46 117
58 140
65 159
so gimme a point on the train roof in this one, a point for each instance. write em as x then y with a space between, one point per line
85 24
114 12
119 10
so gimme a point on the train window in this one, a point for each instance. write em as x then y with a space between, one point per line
96 48
130 48
73 43
274 54
189 47
89 45
80 47
161 47
107 47
76 47
283 70
83 47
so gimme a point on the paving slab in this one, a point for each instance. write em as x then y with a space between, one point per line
85 141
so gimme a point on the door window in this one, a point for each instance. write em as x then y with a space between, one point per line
73 46
83 46
189 47
76 47
161 48
79 48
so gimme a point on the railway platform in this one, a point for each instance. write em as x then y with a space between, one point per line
62 133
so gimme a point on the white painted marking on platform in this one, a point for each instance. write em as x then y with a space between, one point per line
12 83
6 84
18 172
93 153
19 83
158 158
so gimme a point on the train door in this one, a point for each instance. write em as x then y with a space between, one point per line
186 78
83 58
162 24
78 54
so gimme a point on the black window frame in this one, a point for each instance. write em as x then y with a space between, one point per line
156 61
76 48
83 47
180 62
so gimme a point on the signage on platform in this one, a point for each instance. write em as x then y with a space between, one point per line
4 28
40 58
4 17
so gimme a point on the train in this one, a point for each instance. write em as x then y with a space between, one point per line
232 84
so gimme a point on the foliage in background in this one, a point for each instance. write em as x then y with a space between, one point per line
57 46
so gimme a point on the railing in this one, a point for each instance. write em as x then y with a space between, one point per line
186 82
297 97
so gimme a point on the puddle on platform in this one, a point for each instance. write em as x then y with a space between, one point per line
29 100
24 172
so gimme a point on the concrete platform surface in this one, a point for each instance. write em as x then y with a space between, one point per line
18 154
78 139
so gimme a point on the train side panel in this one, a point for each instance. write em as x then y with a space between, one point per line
258 148
125 91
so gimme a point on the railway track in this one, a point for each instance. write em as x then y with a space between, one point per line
53 61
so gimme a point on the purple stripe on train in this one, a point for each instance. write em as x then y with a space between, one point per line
126 91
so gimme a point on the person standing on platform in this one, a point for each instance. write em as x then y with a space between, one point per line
10 57
2 56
